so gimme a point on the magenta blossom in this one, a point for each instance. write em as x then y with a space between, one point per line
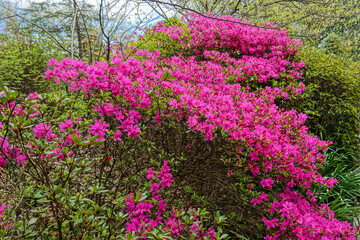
267 182
66 125
99 129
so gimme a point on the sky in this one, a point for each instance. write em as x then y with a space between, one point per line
25 3
132 20
145 8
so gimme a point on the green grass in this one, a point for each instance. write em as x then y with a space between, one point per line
344 197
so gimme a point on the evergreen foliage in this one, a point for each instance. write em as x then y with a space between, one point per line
22 63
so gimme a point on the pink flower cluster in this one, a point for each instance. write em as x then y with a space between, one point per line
98 129
117 78
2 209
139 221
305 219
165 176
262 53
43 130
10 152
139 212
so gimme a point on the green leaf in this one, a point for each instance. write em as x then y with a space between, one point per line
32 221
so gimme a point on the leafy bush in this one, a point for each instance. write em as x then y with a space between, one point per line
99 154
331 98
23 63
71 185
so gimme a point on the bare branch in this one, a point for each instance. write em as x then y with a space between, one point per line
42 28
206 16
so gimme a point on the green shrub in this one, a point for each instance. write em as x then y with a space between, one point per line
23 62
88 193
331 98
159 41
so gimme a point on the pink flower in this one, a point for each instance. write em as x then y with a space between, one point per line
99 129
2 209
165 176
267 182
261 198
150 173
270 237
130 204
21 160
330 182
154 187
134 131
117 136
255 201
66 125
270 223
43 130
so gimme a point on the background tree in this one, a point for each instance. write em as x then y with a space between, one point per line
78 29
34 32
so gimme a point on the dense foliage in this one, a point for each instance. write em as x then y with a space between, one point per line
99 163
23 62
331 99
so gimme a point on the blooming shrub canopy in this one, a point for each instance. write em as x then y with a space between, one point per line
209 92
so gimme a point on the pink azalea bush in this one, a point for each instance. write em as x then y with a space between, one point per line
207 93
